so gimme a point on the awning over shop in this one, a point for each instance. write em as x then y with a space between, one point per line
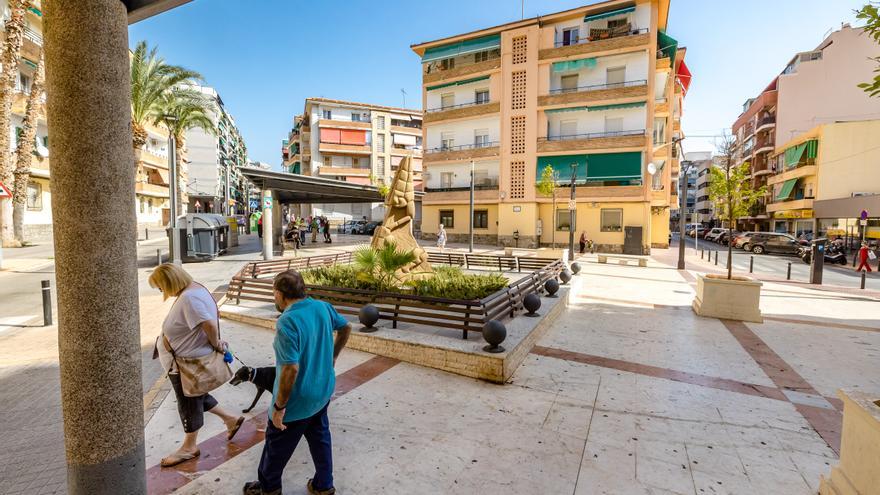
572 65
796 153
605 15
462 48
598 108
404 139
786 190
457 83
684 77
668 45
596 167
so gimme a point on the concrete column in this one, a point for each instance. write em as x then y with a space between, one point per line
268 221
93 174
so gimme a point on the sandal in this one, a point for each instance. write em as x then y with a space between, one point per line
231 433
175 459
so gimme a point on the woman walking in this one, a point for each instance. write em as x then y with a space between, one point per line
441 238
583 241
863 258
191 330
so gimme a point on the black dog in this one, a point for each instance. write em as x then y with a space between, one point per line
262 378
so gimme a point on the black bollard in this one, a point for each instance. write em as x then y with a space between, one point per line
751 264
863 278
716 257
702 253
158 257
788 273
47 303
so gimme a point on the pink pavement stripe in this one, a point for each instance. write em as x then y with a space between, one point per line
668 374
217 450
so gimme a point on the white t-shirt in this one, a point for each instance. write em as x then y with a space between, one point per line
193 306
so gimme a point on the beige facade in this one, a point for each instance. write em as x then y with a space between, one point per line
591 86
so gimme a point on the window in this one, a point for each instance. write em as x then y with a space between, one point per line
34 196
447 100
380 164
447 140
355 162
24 83
568 128
446 179
481 56
355 117
615 76
659 130
570 36
328 161
613 124
447 218
380 143
481 96
481 178
563 220
611 220
328 114
447 63
481 219
569 83
380 122
481 138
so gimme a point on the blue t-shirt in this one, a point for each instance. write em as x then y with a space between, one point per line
304 336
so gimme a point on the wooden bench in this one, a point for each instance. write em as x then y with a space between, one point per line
622 260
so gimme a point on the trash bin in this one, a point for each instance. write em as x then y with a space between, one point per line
202 236
233 231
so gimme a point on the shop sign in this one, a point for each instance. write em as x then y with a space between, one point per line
793 214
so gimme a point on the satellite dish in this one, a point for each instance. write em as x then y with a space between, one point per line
652 169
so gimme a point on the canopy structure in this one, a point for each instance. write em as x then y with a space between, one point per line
597 167
683 75
295 188
787 189
612 13
795 154
462 48
668 45
139 10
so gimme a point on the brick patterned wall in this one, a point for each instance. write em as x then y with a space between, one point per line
517 134
518 90
520 49
517 179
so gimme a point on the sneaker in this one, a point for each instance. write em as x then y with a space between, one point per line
254 488
313 491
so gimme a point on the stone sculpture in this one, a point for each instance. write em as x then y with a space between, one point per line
400 210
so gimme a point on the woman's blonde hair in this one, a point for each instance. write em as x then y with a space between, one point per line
170 279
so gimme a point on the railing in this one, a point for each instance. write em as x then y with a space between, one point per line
33 36
593 135
766 120
463 61
461 105
594 87
463 147
632 31
477 187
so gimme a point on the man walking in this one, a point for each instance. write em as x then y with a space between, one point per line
305 355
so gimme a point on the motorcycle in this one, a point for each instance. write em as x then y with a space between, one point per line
833 254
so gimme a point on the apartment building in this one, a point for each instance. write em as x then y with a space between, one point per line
824 178
816 87
597 89
700 207
354 142
214 183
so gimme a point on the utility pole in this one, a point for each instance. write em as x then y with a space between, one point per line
471 224
572 206
682 197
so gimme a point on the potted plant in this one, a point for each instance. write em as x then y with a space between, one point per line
730 296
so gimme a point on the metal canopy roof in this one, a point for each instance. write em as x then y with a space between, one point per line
295 188
139 10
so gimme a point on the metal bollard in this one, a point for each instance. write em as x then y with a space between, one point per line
158 256
788 273
47 303
146 234
863 278
716 257
751 264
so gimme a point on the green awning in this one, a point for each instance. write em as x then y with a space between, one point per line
612 13
597 108
787 189
31 64
795 154
462 48
570 65
595 167
295 168
36 11
668 45
457 83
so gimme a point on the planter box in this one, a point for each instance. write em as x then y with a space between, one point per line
859 469
736 299
556 254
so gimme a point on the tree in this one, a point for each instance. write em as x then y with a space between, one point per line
9 59
180 110
870 13
730 191
24 152
547 186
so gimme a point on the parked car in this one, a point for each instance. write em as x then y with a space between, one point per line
697 230
370 228
725 237
713 234
349 227
767 242
741 241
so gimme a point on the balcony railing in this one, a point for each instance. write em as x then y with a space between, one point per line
593 135
766 120
462 105
594 87
463 147
602 34
32 35
459 62
488 185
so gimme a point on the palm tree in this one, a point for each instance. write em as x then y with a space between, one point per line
182 109
9 59
24 153
381 266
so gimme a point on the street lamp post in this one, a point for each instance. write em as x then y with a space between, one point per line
471 224
682 177
571 211
174 239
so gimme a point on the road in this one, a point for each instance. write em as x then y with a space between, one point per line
776 266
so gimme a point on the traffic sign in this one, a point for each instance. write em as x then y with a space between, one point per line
4 193
572 204
863 215
267 203
254 204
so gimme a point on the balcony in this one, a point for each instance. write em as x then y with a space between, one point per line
596 92
764 147
766 124
147 189
632 38
460 194
343 124
152 159
344 171
352 149
598 140
412 130
796 204
434 73
463 152
794 173
464 110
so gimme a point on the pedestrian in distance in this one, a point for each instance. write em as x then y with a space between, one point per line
315 225
865 254
302 232
196 359
305 357
327 237
441 238
583 241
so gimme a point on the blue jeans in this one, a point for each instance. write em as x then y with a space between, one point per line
280 445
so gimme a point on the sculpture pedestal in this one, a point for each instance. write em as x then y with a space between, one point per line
858 472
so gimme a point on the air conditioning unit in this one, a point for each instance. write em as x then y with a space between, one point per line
860 194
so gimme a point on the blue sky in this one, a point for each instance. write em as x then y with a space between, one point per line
265 57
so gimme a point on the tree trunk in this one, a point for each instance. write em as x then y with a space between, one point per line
553 234
25 151
182 175
10 58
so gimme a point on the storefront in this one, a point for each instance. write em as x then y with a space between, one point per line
796 222
840 218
